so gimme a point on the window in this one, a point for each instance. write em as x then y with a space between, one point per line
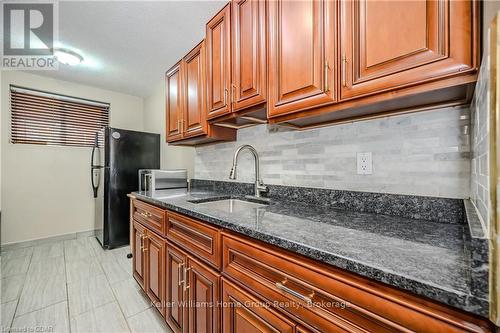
49 119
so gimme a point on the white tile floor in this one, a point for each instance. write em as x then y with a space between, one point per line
73 286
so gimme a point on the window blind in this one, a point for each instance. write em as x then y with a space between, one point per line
50 119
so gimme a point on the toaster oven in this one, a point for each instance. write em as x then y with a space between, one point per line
151 180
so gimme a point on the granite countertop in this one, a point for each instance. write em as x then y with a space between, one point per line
424 257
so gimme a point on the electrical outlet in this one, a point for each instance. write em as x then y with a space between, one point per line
364 163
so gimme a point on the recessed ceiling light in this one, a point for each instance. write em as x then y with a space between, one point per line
67 57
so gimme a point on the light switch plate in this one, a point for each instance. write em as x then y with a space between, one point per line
364 163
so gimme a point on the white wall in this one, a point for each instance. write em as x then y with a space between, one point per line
172 157
46 189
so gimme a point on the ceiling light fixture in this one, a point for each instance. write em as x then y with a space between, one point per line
67 57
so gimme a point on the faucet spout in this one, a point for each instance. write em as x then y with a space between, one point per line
259 185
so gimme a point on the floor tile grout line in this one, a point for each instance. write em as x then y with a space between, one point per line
95 255
114 296
45 307
21 293
67 291
42 308
92 309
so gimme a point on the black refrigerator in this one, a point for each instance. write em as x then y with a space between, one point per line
116 158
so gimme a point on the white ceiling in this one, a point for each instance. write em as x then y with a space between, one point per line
128 45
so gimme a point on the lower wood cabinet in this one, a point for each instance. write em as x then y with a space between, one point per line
246 314
149 263
138 269
262 288
192 294
203 295
154 250
175 296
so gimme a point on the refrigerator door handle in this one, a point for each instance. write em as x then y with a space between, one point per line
92 167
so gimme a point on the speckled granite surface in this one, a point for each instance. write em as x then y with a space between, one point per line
414 207
424 257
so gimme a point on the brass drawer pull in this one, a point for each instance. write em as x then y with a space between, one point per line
181 280
344 70
143 237
147 214
186 278
327 68
281 286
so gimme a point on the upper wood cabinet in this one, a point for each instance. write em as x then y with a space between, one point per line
310 63
186 106
237 64
248 35
218 37
194 119
389 44
393 56
173 83
302 55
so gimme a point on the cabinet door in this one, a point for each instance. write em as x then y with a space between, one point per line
389 44
175 297
218 42
194 122
242 313
174 103
248 18
138 263
301 55
203 290
155 268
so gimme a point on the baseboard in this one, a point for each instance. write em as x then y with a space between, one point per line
39 241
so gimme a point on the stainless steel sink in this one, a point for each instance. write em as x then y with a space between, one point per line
233 205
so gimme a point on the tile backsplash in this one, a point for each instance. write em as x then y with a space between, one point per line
425 153
480 145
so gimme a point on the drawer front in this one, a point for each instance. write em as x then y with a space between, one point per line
150 216
331 300
244 313
195 237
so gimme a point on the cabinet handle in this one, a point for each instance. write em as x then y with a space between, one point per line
233 87
225 96
144 249
281 286
344 69
186 279
179 268
147 214
143 238
326 77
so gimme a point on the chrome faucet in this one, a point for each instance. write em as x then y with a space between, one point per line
259 185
